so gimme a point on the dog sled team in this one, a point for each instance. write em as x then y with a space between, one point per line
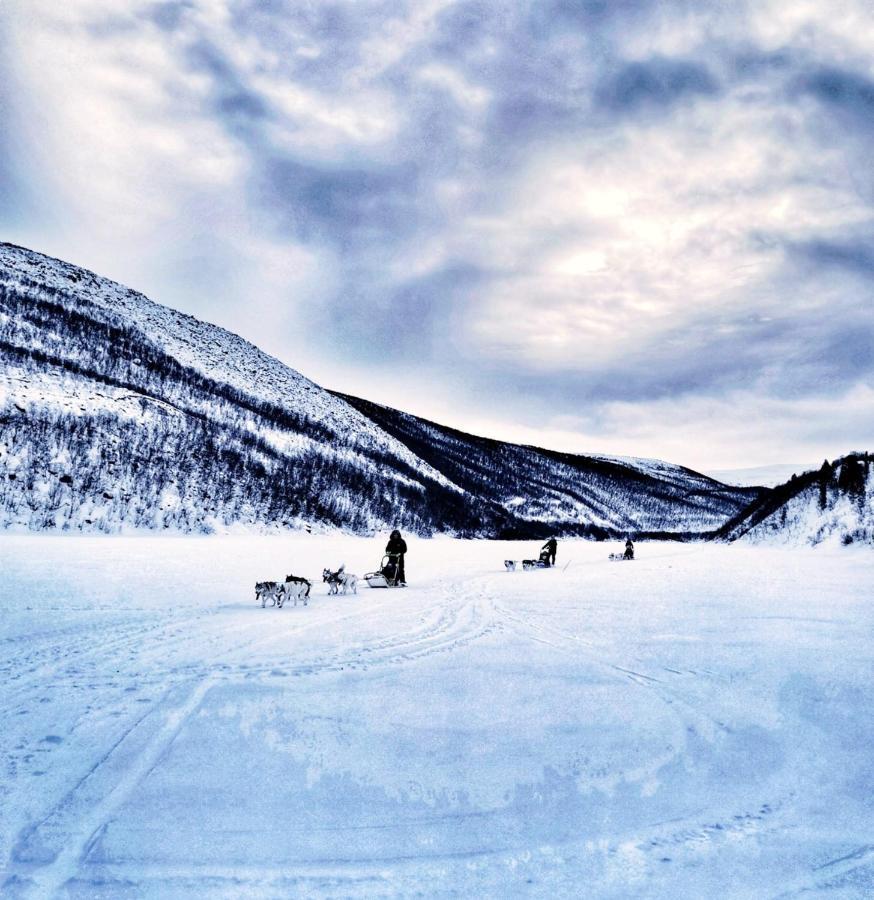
546 560
548 552
628 554
390 574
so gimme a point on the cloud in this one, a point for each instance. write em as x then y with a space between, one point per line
477 205
13 190
656 84
853 257
234 102
168 15
843 91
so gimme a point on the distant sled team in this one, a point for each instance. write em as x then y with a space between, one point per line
628 554
548 553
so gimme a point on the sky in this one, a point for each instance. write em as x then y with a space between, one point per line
621 226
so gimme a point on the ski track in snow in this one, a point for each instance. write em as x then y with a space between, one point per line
688 724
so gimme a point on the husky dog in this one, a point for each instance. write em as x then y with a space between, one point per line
512 564
267 590
295 588
340 579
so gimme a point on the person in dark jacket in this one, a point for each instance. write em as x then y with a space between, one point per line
629 549
550 548
396 544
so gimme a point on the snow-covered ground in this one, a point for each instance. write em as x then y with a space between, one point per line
697 723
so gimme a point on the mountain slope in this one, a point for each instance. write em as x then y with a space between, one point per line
116 412
124 413
605 494
834 502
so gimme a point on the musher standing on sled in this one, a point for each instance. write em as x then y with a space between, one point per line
550 548
629 549
397 545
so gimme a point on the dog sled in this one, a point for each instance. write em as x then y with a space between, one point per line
620 557
388 573
542 563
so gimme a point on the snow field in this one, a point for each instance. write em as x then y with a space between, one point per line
694 723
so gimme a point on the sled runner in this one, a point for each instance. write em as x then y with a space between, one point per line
387 575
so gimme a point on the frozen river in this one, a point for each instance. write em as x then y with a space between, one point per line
696 723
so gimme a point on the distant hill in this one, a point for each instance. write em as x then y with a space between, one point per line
767 476
117 413
832 503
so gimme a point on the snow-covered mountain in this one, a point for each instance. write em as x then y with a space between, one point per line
758 476
832 503
606 495
117 413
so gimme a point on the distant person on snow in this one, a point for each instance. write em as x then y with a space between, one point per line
397 545
548 551
629 549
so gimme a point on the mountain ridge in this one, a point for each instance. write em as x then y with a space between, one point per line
428 439
155 419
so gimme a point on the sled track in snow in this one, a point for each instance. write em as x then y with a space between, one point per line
155 655
443 627
49 853
835 873
82 663
665 685
178 657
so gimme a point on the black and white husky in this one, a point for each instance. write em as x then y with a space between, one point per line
340 579
268 590
295 588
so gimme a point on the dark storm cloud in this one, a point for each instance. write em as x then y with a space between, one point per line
600 21
652 85
839 102
332 35
349 207
414 321
17 179
237 105
537 92
551 72
785 359
843 91
853 257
